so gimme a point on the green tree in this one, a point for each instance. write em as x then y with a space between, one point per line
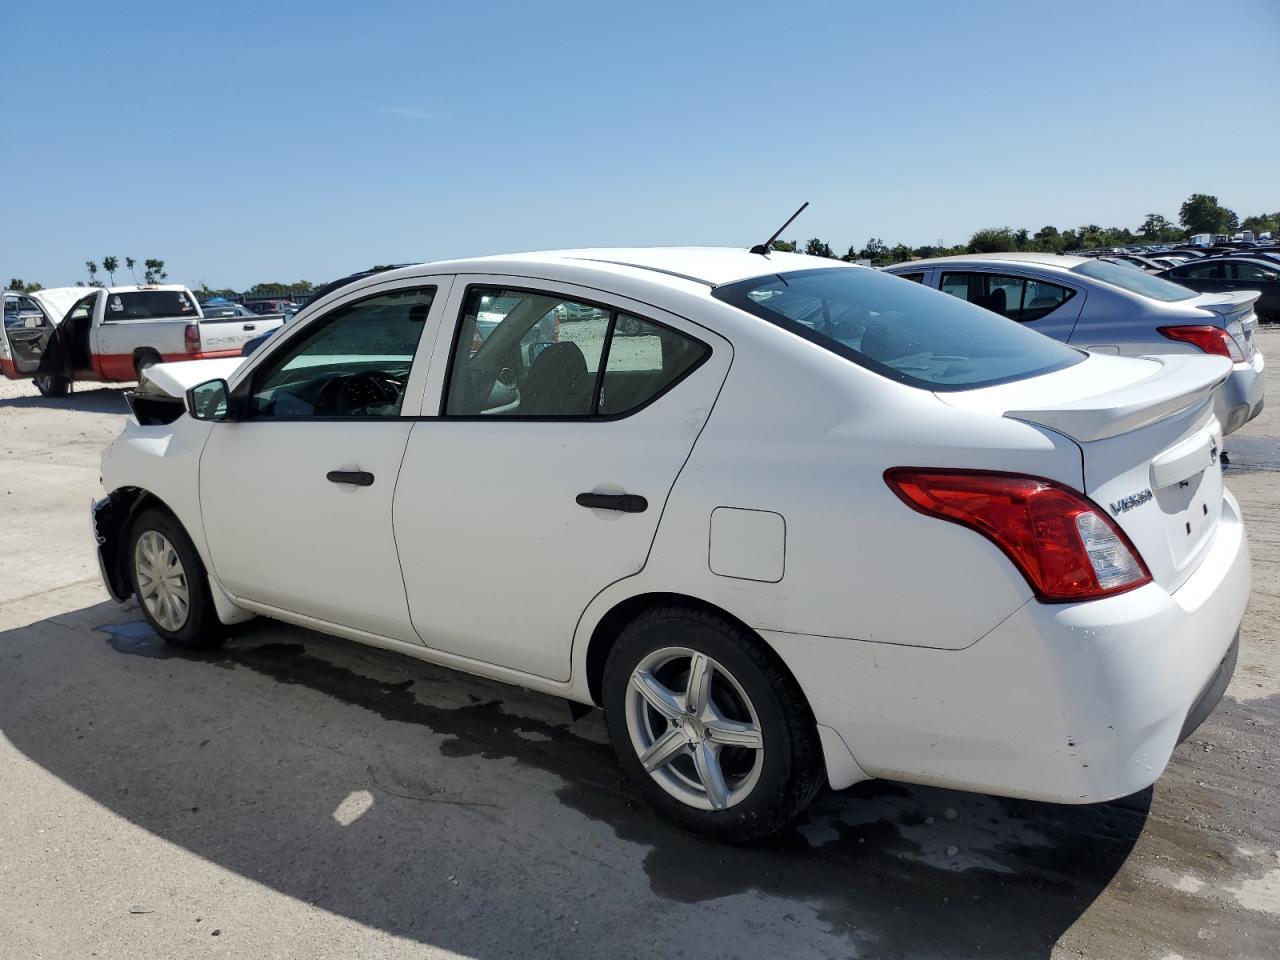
111 265
1261 223
155 272
784 246
1201 213
18 285
1155 227
991 240
130 263
93 272
899 253
875 250
818 248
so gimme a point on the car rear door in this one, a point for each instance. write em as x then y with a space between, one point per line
541 470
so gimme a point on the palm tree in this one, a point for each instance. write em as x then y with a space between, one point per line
131 263
111 265
93 272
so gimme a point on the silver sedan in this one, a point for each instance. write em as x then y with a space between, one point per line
1110 308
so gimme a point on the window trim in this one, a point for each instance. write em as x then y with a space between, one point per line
242 393
593 417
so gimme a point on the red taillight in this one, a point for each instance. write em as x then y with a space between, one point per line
1064 545
191 338
1212 340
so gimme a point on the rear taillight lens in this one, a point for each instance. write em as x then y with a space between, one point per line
1065 546
1212 340
191 337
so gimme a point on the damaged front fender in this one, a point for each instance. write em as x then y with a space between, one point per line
110 520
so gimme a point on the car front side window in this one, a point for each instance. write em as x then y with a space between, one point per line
1017 298
353 363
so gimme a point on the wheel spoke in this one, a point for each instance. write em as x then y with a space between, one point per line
698 693
712 777
731 733
656 694
665 749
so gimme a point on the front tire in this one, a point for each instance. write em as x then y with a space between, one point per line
710 725
170 582
52 385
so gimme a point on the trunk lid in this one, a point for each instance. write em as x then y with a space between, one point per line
1149 445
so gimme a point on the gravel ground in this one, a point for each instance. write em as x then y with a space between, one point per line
298 796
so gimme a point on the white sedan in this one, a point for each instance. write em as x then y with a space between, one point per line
805 524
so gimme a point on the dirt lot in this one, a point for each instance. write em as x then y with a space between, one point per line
298 796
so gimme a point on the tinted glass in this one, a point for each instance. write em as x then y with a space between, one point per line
354 362
23 312
144 304
899 329
1135 281
1018 298
645 360
913 277
1251 271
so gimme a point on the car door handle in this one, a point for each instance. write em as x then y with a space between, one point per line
250 326
622 502
357 478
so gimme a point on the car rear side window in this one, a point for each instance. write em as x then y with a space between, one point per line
146 304
534 354
903 331
1251 271
1018 298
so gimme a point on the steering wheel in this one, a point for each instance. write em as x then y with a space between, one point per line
360 391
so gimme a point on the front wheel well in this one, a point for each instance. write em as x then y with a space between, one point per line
113 526
612 624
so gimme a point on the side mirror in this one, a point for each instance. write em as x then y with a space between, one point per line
210 400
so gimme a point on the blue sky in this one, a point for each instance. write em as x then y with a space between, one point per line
245 142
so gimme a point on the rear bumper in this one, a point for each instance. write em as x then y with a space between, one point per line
1070 703
1239 399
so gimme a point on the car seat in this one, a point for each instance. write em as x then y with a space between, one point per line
558 383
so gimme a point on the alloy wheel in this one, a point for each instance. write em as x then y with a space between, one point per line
694 729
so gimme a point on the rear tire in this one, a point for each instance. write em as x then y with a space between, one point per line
734 754
170 582
52 385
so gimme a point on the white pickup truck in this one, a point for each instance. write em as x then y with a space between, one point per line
62 335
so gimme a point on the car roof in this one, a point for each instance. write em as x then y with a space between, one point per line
705 266
1042 259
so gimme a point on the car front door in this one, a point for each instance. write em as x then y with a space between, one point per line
564 420
1044 305
296 491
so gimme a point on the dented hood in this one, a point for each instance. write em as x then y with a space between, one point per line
175 379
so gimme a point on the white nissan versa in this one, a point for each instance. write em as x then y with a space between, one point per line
788 521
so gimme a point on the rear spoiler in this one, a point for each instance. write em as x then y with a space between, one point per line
1182 381
1231 302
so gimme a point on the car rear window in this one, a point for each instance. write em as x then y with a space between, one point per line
143 304
899 329
1135 281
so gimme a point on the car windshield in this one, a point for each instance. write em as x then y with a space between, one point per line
1135 281
900 329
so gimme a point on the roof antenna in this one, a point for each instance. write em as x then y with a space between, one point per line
765 247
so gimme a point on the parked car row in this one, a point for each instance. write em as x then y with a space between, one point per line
1110 308
806 524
